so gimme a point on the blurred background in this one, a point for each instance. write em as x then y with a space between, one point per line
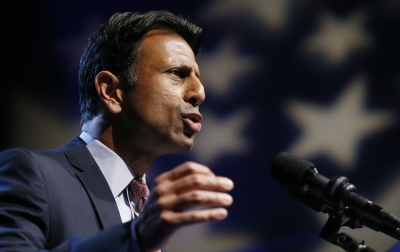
317 78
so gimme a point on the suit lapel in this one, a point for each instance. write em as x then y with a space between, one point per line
94 182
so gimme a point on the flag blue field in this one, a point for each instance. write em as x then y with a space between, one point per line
318 79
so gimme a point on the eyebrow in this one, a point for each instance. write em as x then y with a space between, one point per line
191 68
196 71
197 74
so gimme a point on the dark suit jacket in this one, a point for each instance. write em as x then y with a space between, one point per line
59 200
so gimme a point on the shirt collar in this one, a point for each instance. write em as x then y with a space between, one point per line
114 169
86 137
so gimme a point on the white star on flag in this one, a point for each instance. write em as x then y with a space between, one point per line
271 13
336 131
336 38
220 69
219 136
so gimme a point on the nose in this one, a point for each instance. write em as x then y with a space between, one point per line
194 94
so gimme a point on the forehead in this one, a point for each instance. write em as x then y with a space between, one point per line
162 45
159 36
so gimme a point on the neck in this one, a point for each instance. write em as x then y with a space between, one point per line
127 146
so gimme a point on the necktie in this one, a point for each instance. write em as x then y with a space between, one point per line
140 191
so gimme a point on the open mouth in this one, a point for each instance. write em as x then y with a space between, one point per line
193 120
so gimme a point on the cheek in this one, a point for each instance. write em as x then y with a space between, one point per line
169 103
159 102
165 110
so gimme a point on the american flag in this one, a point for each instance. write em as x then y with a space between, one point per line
316 78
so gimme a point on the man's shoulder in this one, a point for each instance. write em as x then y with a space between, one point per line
24 152
21 152
25 156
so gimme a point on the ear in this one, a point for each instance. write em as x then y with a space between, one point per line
109 89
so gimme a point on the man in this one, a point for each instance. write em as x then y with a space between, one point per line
140 94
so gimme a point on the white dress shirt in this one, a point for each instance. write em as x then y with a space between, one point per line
118 176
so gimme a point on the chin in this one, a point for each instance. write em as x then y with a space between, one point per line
183 145
177 143
187 146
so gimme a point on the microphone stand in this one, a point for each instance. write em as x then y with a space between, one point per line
337 197
343 240
335 221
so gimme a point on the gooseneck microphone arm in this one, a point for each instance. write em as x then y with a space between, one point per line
335 196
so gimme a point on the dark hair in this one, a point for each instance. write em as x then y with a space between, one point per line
114 47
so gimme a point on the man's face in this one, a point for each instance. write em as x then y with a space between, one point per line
162 109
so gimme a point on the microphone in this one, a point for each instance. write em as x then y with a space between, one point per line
334 196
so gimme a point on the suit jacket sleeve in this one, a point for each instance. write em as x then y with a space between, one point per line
24 212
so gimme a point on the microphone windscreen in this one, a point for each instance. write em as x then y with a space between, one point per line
289 169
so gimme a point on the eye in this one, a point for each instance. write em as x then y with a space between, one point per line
176 72
181 72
